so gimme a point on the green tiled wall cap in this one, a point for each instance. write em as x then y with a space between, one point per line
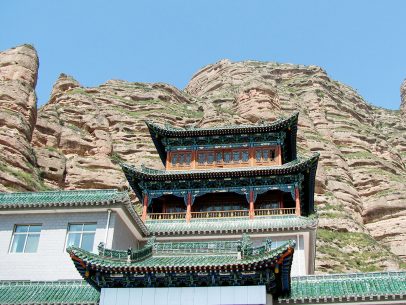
60 197
47 293
343 285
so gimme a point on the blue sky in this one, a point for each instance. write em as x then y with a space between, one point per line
361 43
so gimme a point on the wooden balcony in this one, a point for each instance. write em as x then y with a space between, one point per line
221 214
274 212
166 216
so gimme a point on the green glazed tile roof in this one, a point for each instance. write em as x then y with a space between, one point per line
231 225
178 259
172 131
296 166
44 293
63 199
58 198
357 285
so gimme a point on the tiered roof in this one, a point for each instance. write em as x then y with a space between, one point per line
189 264
288 126
48 293
356 287
234 225
303 169
172 131
173 260
293 167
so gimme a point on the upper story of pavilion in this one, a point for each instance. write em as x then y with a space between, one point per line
265 144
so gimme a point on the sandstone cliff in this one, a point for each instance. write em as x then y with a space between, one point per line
81 132
18 112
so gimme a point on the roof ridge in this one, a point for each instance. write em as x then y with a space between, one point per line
170 127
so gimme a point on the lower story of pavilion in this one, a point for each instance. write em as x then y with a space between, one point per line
245 202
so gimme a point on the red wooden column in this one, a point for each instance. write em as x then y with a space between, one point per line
189 207
297 200
168 160
144 208
251 153
281 203
193 163
251 213
279 154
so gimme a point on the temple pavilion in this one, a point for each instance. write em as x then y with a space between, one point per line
229 220
229 209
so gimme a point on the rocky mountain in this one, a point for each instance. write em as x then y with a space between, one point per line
75 140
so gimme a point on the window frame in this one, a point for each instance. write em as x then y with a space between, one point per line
81 233
185 154
269 150
26 237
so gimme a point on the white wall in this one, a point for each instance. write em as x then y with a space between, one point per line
123 238
50 262
302 260
238 295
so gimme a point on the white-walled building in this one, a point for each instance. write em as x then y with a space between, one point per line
36 229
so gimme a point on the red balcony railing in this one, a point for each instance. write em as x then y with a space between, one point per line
221 214
274 212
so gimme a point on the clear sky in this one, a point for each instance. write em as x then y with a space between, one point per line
359 42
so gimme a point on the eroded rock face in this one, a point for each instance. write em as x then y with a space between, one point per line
92 128
18 113
81 134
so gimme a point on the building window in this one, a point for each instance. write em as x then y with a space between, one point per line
236 156
25 239
264 155
188 158
201 158
219 157
210 157
174 159
245 156
258 155
227 157
81 235
181 159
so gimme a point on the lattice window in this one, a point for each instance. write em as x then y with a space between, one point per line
265 155
181 159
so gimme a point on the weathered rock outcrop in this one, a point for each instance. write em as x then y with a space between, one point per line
18 112
81 133
85 130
